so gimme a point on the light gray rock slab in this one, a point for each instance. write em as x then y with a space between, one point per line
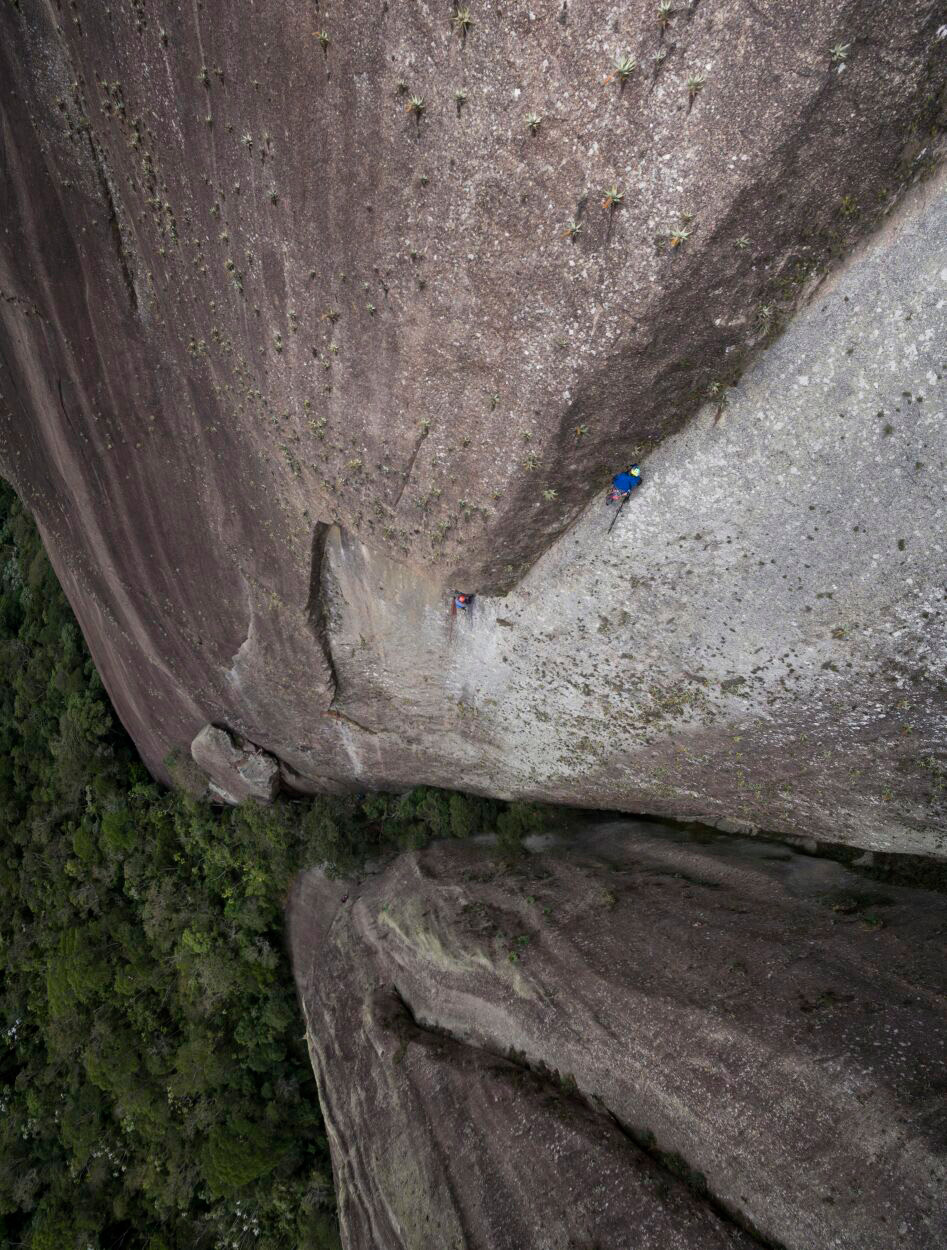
237 768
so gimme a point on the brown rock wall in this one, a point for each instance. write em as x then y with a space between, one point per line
767 1025
244 294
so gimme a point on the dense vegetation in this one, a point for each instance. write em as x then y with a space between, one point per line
155 1089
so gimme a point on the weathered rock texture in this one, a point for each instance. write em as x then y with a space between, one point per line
532 1057
763 635
255 312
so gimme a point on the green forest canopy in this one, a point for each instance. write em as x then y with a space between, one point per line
155 1087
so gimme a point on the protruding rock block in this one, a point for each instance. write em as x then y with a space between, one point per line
237 769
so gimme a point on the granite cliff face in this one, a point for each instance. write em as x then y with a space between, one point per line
284 355
635 1039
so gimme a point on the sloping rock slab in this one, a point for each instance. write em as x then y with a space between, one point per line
633 1040
245 292
237 769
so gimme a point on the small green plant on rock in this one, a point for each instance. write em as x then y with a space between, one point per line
612 198
573 229
695 85
235 275
460 98
530 461
625 66
533 122
324 40
743 243
462 20
549 494
717 394
665 12
679 235
580 432
839 53
416 106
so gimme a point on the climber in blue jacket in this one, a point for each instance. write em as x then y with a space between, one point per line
623 484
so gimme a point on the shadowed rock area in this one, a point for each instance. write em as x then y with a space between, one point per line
635 1038
283 356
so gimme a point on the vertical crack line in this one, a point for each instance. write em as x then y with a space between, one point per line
62 402
410 469
114 222
316 606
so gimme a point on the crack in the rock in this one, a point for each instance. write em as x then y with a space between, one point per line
318 619
669 1162
62 405
349 720
315 603
317 616
114 222
674 1163
410 469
